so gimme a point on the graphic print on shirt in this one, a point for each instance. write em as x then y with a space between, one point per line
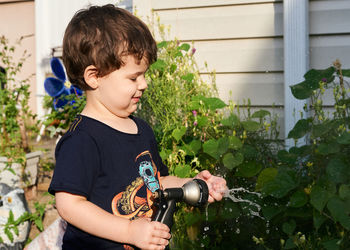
133 202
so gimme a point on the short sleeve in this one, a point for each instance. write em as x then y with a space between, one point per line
77 164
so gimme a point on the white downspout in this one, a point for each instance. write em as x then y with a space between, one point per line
296 59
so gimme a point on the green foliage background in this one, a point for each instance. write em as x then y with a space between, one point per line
305 201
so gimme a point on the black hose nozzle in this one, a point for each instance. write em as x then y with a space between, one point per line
194 192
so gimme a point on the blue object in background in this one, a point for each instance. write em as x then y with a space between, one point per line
60 87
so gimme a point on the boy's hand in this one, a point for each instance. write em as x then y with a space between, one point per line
147 234
217 185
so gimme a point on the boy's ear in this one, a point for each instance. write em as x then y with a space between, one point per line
90 76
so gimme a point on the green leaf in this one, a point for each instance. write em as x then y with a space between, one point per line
318 75
267 175
298 199
211 148
261 114
289 227
344 138
214 103
15 229
162 44
11 218
158 65
289 244
231 161
319 197
300 129
249 151
337 171
235 142
251 126
327 185
248 169
321 129
11 170
304 89
344 191
39 223
338 209
328 148
287 157
164 153
271 211
202 121
331 244
185 47
301 91
346 72
178 54
8 234
183 171
318 219
173 67
230 121
223 145
188 78
178 133
283 183
195 146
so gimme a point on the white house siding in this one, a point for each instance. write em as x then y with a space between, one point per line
329 35
242 40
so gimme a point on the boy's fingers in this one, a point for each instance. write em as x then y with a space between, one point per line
161 226
159 241
206 174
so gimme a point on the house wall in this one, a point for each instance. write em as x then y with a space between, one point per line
17 20
242 40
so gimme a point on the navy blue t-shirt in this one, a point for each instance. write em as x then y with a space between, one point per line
116 171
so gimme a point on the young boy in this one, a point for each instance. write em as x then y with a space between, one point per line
107 164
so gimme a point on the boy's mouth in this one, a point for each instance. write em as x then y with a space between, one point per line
136 98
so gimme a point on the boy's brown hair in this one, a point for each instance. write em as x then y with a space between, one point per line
102 36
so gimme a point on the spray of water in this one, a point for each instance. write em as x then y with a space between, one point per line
234 195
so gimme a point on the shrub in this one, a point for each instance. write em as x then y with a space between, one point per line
16 119
305 190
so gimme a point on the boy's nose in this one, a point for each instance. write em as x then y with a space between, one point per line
142 84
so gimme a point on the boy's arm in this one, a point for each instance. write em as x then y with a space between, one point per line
90 218
216 185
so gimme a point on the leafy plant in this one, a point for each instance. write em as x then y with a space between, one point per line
16 119
311 185
12 224
305 202
194 134
57 121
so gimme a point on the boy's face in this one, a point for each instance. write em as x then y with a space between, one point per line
120 91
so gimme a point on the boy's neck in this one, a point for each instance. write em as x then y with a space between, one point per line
122 124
